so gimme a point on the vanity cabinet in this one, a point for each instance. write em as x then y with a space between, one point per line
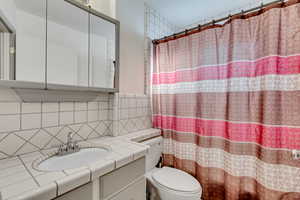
125 183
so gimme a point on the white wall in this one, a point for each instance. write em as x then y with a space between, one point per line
131 15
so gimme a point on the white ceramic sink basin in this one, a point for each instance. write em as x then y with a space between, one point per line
82 158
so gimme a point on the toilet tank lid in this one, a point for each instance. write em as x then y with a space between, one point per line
176 180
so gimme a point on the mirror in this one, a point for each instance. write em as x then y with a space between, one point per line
30 27
102 52
7 56
67 44
58 44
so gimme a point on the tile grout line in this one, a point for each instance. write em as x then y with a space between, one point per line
28 171
91 173
26 141
41 125
73 111
56 188
21 108
87 112
58 118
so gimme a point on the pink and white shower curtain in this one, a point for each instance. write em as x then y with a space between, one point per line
228 102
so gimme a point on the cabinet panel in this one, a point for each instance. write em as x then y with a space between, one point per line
30 41
136 191
67 44
83 193
102 52
117 180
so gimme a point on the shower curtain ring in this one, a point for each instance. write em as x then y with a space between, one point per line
229 18
213 22
242 14
282 3
186 31
261 7
174 36
199 27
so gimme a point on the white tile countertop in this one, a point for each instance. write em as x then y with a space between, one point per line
20 181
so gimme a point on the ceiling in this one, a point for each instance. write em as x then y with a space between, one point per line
183 13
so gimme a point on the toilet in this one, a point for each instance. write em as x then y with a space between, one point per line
168 183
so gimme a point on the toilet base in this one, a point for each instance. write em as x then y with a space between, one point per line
152 193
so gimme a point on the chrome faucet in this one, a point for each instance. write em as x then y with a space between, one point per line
70 139
70 147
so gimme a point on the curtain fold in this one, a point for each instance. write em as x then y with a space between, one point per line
228 103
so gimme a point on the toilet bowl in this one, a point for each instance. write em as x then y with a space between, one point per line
174 184
168 183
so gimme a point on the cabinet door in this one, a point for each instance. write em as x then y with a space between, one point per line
102 52
136 191
82 193
67 44
116 181
30 40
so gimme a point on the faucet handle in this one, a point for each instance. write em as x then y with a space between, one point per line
70 136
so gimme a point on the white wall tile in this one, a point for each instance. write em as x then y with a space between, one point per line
26 148
9 123
26 135
10 144
40 122
66 118
9 108
103 114
80 106
133 114
103 105
66 106
31 108
30 121
92 115
41 139
50 107
93 105
80 116
49 119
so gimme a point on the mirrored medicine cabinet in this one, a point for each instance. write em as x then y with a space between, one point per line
58 44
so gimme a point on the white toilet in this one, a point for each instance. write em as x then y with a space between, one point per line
168 183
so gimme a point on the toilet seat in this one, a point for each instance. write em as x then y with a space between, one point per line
176 180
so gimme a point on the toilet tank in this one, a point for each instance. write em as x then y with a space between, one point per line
154 153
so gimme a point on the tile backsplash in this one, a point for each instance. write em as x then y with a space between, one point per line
30 127
131 113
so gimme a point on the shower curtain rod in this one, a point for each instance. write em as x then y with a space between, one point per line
213 22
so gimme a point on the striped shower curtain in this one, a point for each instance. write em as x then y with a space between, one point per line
228 102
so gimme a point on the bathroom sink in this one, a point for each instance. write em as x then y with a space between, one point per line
79 159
